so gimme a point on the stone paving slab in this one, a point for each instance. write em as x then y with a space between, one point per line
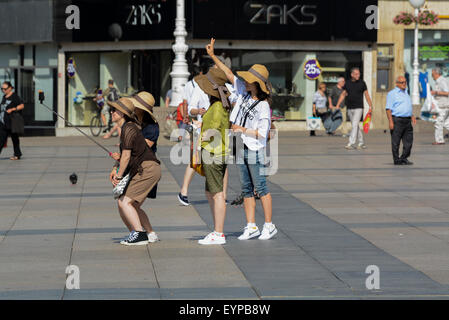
330 229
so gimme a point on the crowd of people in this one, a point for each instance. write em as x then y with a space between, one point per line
217 101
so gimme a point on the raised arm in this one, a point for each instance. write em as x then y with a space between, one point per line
342 97
219 64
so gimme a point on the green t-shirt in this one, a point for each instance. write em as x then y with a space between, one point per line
216 118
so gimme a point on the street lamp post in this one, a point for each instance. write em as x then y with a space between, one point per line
415 93
180 71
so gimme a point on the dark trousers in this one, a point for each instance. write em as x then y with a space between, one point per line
4 133
403 130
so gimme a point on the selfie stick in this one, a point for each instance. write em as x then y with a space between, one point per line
41 100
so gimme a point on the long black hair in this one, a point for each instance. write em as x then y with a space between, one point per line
262 95
147 120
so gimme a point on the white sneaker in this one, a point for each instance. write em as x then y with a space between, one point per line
349 147
249 233
212 238
152 237
268 232
361 146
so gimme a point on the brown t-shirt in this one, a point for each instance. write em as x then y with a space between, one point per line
132 139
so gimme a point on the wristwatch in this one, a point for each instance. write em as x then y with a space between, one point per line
118 178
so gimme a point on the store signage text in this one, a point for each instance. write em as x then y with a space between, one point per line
141 15
299 14
312 69
437 52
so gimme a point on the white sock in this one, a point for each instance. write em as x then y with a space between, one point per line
268 224
251 225
219 234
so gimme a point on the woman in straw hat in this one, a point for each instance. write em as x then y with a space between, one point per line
213 148
251 119
143 167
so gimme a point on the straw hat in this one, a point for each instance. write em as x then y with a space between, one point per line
144 101
218 76
257 73
125 105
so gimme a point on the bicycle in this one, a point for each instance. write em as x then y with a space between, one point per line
97 126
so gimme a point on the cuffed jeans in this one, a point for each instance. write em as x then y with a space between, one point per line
355 115
441 123
252 172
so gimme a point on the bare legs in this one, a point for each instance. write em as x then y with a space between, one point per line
188 176
250 208
133 216
218 208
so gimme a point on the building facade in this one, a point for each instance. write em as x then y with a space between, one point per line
394 55
130 41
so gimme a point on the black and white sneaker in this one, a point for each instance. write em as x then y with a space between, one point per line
183 200
136 238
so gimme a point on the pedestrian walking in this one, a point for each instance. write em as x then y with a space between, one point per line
11 119
111 95
399 110
339 115
197 103
139 161
441 94
251 118
319 106
214 152
354 90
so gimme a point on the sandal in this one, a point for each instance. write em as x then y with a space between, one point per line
14 158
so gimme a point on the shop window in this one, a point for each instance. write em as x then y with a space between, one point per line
384 67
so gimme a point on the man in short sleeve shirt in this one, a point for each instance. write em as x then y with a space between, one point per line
354 90
400 117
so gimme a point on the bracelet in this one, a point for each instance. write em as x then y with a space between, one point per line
118 178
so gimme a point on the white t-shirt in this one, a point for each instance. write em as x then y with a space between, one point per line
188 90
198 100
258 117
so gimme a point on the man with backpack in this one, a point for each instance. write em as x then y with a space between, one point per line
111 95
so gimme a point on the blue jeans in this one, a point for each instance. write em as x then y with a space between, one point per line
252 172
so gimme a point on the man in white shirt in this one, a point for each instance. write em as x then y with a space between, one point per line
441 94
196 102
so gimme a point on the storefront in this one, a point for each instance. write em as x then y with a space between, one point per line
130 42
28 59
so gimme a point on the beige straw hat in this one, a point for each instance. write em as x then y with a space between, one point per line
144 101
125 105
257 73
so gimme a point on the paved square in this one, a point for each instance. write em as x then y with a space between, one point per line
337 211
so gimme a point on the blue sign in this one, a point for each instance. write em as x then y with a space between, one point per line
312 69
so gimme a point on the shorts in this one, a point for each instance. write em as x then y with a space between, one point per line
214 174
141 184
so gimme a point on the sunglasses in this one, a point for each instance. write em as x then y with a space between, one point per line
112 109
4 89
401 82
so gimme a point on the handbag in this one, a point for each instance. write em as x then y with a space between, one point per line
195 156
120 188
17 123
313 123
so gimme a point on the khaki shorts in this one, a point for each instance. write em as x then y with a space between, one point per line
141 184
214 174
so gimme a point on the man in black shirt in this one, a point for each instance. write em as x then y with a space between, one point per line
354 90
11 106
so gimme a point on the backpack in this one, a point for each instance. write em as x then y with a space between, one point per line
113 95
